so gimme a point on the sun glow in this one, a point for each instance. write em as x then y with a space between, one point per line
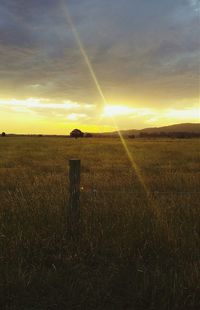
121 110
187 113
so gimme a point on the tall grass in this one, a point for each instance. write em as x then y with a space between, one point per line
134 251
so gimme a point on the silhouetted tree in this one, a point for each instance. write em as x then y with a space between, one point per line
88 135
76 133
3 134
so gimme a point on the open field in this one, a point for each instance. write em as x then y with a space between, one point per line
136 250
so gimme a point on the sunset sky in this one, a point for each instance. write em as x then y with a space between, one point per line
68 64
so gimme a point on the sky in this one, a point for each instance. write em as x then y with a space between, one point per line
98 64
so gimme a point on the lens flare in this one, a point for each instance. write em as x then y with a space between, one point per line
82 50
99 89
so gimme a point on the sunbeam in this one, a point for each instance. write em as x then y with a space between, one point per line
100 91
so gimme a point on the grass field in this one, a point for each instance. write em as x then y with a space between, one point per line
136 250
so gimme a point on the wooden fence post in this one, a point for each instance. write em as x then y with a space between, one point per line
74 194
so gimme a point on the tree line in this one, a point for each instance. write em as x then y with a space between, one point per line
178 135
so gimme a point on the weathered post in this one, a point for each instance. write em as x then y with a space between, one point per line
74 194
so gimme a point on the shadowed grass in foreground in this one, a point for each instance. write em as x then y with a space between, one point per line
134 251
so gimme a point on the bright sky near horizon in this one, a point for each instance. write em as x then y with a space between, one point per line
143 56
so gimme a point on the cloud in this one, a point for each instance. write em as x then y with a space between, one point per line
76 116
141 51
66 115
45 109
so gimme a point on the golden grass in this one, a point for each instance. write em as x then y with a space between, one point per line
134 251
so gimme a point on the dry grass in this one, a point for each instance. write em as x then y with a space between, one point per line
134 251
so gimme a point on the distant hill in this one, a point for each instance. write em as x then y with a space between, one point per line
186 127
